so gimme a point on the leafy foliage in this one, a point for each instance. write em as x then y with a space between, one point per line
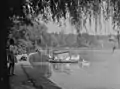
27 35
27 13
32 8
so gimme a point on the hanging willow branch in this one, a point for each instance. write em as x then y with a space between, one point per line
59 8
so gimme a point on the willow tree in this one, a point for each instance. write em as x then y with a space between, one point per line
78 9
115 4
32 8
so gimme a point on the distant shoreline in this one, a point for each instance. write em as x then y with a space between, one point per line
82 48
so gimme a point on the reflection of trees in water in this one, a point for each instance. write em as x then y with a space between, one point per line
44 69
84 67
61 67
38 57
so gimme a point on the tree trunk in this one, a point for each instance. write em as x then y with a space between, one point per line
78 39
4 78
90 22
84 24
96 24
100 27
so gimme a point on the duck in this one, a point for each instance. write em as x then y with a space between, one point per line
50 56
85 63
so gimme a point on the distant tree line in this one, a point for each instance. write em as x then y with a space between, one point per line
30 36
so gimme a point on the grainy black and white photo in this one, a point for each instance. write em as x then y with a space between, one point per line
62 44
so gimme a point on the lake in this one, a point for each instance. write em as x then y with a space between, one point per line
103 72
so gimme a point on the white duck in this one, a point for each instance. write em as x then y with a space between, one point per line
50 57
85 63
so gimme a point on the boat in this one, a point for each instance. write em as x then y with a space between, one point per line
63 61
63 57
75 57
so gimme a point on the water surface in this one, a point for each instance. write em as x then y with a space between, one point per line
103 72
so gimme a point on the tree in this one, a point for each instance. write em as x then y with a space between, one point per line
54 40
70 40
31 33
32 8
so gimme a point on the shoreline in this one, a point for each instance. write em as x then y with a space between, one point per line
29 78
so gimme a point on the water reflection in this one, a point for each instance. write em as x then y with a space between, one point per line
79 77
61 67
43 68
68 68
